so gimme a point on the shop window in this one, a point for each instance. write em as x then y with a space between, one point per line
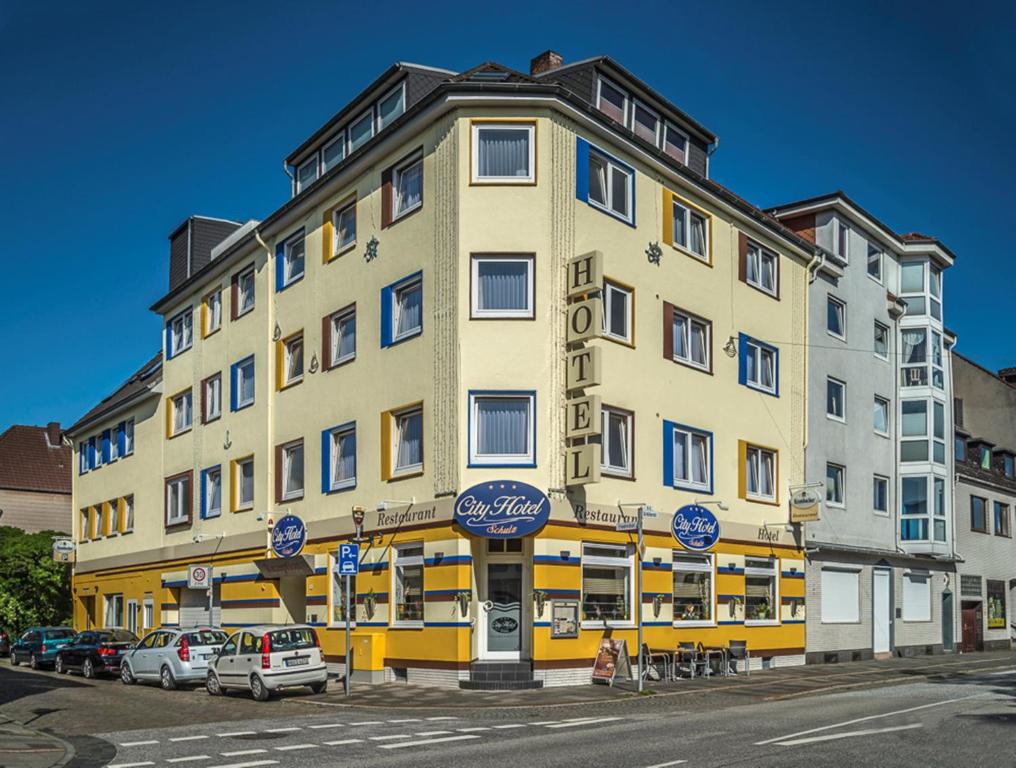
761 590
114 610
607 571
407 575
995 608
693 588
337 596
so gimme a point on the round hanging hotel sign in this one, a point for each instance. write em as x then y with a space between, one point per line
502 509
288 536
696 528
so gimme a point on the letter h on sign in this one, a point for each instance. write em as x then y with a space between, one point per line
585 273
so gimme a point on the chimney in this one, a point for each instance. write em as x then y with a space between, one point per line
547 61
1008 375
53 434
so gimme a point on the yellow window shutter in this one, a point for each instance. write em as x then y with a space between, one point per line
742 460
668 216
326 237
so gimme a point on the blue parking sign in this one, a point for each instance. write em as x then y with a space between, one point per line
349 559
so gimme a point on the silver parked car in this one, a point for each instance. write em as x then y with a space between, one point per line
267 658
172 656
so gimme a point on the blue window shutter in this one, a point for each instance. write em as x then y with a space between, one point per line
326 460
233 373
121 438
168 340
582 169
280 253
105 446
742 359
91 453
387 294
668 453
204 480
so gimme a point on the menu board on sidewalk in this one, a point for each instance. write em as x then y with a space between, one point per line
611 661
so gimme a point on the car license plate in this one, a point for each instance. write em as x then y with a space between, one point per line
299 661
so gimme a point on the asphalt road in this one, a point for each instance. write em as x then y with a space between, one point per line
950 720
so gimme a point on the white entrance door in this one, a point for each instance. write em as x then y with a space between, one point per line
501 611
881 607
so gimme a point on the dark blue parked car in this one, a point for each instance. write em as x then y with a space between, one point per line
37 646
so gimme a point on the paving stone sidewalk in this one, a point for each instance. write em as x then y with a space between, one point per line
21 747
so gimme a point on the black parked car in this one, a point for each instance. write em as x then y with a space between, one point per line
95 651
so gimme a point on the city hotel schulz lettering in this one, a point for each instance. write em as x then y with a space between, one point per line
585 323
696 528
503 509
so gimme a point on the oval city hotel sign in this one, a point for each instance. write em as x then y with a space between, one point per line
696 528
502 509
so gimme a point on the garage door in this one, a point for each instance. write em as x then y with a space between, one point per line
194 608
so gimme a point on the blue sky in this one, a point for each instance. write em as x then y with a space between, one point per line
119 120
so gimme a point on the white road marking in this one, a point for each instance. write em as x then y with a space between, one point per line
138 743
235 733
242 752
252 764
130 765
389 737
188 738
573 723
865 719
512 725
664 765
443 739
473 728
189 759
341 742
283 730
1006 672
294 747
432 733
406 720
543 722
327 725
834 736
440 718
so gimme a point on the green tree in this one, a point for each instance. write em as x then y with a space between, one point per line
34 588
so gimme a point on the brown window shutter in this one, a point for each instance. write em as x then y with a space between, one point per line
386 198
234 296
326 342
668 331
742 257
278 474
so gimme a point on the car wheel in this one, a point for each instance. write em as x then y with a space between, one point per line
14 659
319 687
88 669
33 662
126 676
212 685
58 665
257 687
167 680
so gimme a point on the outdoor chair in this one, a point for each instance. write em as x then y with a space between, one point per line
652 661
688 659
738 651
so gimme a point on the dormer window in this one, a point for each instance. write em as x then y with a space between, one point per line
1008 465
646 124
612 101
361 130
675 143
306 174
641 120
334 152
391 107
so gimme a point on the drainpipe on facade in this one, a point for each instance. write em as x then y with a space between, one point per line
292 184
897 407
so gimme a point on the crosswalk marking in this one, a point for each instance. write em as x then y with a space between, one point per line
327 725
294 747
130 765
235 733
340 742
573 723
432 733
282 730
443 739
406 720
188 759
510 725
473 728
138 743
242 752
188 738
252 764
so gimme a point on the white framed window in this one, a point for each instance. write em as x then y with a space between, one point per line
243 483
914 430
917 596
213 492
128 437
407 442
880 416
502 428
407 584
114 517
333 152
692 340
842 240
149 612
761 590
213 312
612 101
182 415
391 106
645 123
675 143
504 153
292 471
503 287
617 441
178 500
691 230
337 596
836 318
132 616
292 360
841 596
760 366
836 395
344 227
245 291
880 494
607 584
694 589
761 268
243 383
407 309
343 337
875 262
306 173
213 397
341 445
114 444
114 610
84 521
128 513
834 484
618 307
881 341
693 459
361 130
181 333
407 186
759 473
293 260
610 186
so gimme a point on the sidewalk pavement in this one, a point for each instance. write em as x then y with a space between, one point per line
721 691
21 747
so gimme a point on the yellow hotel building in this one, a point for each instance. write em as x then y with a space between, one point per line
456 324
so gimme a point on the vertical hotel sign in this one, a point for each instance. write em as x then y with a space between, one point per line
585 322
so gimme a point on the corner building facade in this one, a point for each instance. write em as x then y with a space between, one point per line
400 336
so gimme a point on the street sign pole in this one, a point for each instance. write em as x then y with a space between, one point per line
211 597
348 567
349 665
638 593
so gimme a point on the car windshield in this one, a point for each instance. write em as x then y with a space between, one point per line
292 639
117 636
205 637
59 634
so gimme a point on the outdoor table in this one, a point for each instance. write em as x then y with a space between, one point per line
719 651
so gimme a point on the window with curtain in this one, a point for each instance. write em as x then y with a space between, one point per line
182 413
692 459
342 458
502 287
391 106
610 185
213 312
761 603
292 471
690 230
407 316
760 268
293 260
693 588
914 424
114 516
244 372
213 492
880 416
503 152
177 500
880 494
114 610
343 337
128 513
835 479
617 441
617 311
836 392
691 340
244 479
408 578
881 340
836 317
914 369
407 187
181 333
344 227
607 582
338 595
760 473
408 441
293 362
245 291
760 366
213 397
502 429
1002 519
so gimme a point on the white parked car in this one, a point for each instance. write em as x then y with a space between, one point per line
266 658
172 656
